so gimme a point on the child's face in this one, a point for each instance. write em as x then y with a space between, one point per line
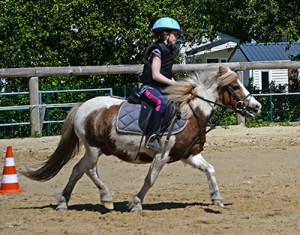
173 37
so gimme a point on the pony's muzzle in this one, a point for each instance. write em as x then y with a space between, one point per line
249 111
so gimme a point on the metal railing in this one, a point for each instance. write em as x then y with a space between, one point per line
276 107
44 106
280 107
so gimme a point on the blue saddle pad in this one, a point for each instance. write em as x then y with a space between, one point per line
128 119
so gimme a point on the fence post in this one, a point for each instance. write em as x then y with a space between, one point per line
239 118
34 106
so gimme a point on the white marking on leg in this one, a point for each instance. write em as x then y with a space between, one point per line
154 170
92 171
197 161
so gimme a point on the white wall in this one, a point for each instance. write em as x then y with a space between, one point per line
202 58
279 76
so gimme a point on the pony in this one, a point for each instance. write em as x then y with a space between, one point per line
93 124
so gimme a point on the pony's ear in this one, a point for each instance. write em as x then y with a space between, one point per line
222 70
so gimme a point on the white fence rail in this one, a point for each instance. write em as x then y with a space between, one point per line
136 69
35 72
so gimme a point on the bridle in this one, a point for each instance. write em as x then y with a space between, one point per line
240 106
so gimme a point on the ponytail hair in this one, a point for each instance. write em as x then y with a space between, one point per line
160 37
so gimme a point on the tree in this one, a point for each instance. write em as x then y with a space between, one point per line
80 32
89 32
259 20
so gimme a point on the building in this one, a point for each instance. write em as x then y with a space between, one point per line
256 52
216 51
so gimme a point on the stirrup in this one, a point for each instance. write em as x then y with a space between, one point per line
153 143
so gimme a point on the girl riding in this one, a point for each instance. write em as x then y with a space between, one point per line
157 74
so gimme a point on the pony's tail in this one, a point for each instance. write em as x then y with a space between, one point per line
66 150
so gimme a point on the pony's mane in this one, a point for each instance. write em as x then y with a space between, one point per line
196 82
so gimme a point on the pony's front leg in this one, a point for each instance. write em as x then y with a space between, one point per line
154 170
200 163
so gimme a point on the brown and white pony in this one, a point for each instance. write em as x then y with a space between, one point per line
93 123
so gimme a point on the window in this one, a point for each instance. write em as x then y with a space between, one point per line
265 80
215 60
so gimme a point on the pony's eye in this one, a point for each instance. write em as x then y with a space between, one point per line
236 88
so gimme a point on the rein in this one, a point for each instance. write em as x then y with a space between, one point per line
240 106
187 151
240 101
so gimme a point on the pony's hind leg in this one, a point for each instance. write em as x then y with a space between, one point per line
77 173
105 196
87 165
200 163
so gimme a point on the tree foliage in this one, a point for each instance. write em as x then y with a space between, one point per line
89 32
81 32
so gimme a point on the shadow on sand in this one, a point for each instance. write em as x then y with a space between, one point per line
122 207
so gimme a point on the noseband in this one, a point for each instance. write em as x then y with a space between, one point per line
240 106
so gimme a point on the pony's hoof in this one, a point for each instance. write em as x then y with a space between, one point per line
62 207
134 206
108 205
218 203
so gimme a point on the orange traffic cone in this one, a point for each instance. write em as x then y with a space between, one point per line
9 179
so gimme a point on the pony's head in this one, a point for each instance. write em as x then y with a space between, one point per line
218 88
233 94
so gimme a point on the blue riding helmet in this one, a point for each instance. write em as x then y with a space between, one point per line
165 23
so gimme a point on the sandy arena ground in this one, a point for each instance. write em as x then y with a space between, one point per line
258 171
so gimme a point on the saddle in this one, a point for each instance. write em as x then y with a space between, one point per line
134 116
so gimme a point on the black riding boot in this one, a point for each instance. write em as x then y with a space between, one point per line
153 131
